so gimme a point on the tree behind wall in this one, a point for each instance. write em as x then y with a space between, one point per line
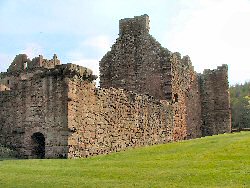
240 104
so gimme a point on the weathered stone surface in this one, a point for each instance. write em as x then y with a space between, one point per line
148 95
21 63
216 114
36 105
37 102
137 62
107 120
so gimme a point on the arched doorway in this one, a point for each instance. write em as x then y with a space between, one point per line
38 142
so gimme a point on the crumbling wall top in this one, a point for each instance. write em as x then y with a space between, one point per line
184 62
136 25
22 62
71 70
19 63
222 68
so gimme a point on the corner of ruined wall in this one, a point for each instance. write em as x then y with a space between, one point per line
216 112
185 98
39 104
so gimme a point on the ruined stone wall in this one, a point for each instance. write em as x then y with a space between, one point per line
137 62
109 120
38 104
22 63
45 63
216 113
19 63
22 68
193 105
11 80
186 98
162 99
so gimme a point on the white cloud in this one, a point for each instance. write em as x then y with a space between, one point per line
102 43
32 50
5 60
216 32
95 46
75 54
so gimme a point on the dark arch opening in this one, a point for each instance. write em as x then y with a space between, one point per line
38 141
175 97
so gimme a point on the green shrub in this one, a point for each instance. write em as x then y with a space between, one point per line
6 153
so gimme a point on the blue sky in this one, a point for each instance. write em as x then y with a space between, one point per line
211 32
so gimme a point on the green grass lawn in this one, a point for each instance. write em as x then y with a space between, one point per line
216 161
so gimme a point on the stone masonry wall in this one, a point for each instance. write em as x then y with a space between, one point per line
22 62
186 98
216 113
193 106
77 119
35 105
137 62
22 68
148 95
109 120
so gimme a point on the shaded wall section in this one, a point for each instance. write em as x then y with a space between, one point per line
216 113
36 105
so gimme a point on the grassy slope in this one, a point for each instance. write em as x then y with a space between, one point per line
217 161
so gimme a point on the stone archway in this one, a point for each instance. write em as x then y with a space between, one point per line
38 145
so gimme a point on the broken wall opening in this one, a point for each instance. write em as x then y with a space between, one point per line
38 143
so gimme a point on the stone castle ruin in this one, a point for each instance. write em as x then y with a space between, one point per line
148 95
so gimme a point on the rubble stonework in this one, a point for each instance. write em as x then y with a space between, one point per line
36 105
137 62
215 101
148 96
107 120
